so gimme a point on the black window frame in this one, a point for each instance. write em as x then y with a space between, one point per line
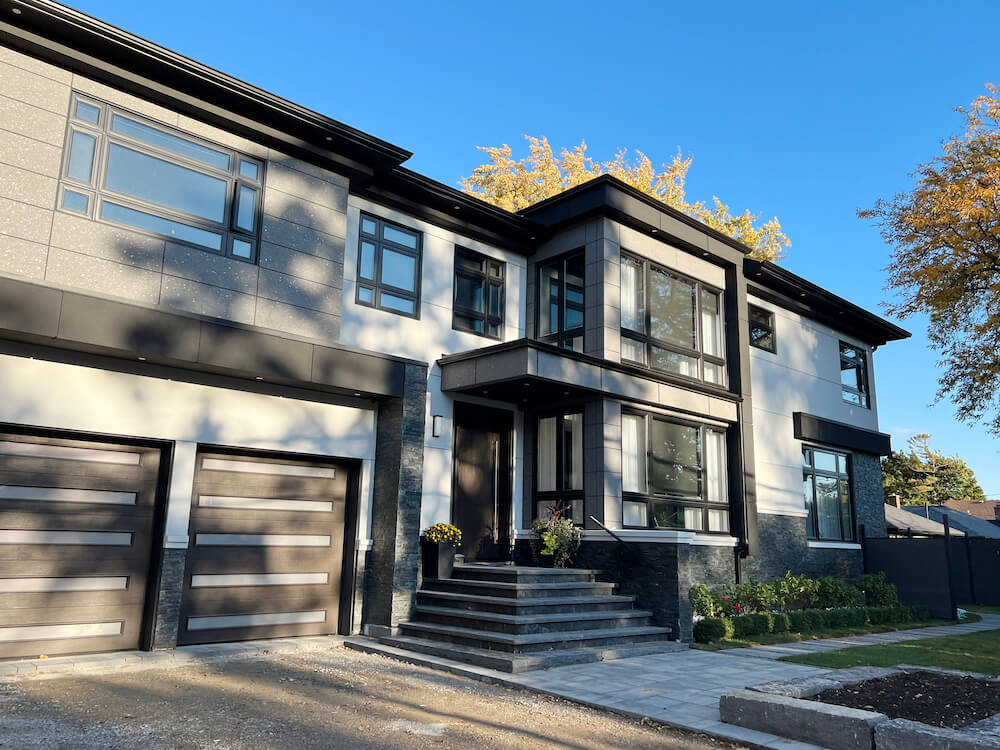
768 326
648 341
810 472
561 495
861 362
375 284
563 336
98 193
487 280
650 498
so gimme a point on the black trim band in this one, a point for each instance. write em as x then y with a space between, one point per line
828 432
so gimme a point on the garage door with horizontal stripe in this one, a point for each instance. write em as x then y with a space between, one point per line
266 549
76 525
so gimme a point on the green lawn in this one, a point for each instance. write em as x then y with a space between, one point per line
975 652
769 639
981 608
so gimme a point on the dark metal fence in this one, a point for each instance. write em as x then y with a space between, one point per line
938 572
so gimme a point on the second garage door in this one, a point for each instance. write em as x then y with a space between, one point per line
266 548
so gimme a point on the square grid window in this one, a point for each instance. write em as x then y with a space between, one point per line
762 329
853 375
673 474
124 169
826 484
671 323
559 465
388 267
561 302
479 294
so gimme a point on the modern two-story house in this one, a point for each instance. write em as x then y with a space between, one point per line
246 356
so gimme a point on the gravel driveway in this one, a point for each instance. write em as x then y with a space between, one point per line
321 699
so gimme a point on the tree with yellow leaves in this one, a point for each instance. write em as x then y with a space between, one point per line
514 184
945 235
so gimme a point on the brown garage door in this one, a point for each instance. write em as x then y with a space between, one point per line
76 525
266 548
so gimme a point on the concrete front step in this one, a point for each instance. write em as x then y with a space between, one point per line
526 606
534 642
505 662
518 590
519 574
553 622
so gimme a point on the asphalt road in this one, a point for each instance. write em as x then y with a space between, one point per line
325 699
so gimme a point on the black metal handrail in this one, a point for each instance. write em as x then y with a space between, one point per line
613 534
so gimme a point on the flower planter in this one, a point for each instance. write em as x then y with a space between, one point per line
438 559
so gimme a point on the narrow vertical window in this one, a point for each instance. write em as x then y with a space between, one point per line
854 375
826 484
479 294
561 298
762 329
559 465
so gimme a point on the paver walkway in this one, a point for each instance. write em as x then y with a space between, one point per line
989 622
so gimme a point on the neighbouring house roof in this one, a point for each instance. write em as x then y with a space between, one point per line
988 510
901 521
971 525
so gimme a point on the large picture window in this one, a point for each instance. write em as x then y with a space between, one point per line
853 375
826 482
123 169
388 267
479 294
559 464
671 323
560 302
673 474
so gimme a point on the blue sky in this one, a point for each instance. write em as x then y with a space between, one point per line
804 110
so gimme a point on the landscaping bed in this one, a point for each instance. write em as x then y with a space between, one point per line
941 700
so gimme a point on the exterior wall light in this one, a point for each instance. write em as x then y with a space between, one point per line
436 425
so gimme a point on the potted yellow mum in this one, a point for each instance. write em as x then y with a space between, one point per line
437 550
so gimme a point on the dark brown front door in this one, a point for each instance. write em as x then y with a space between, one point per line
481 505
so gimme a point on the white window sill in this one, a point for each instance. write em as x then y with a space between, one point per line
816 544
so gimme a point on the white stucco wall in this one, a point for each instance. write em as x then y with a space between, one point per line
71 397
431 337
804 375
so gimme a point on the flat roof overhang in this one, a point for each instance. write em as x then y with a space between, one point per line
169 342
535 374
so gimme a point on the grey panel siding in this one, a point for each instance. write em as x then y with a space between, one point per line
295 289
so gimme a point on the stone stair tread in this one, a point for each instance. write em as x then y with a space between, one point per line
517 586
532 619
535 602
505 662
518 569
534 638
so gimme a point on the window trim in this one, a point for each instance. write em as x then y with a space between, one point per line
771 326
648 340
486 282
560 493
864 394
562 335
98 192
650 497
812 519
375 284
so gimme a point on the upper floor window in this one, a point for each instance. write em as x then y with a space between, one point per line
559 465
673 474
853 375
826 482
124 169
671 323
388 267
479 292
762 329
560 302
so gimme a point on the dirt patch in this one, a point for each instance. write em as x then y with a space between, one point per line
937 699
324 699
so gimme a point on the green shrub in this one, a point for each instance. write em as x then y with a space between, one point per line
780 622
838 619
750 625
815 619
882 615
858 617
712 629
878 592
763 622
836 592
797 620
794 592
702 600
920 612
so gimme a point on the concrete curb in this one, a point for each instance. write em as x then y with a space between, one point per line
26 669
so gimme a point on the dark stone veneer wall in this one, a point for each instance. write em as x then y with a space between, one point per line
168 602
